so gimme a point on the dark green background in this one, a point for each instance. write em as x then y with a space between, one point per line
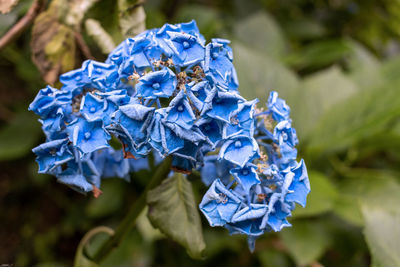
336 63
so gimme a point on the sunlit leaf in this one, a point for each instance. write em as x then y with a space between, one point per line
361 116
173 210
348 208
364 66
382 219
261 32
100 36
259 74
132 18
319 93
364 186
77 10
148 232
382 233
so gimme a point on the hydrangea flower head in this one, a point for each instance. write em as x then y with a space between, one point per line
264 174
168 92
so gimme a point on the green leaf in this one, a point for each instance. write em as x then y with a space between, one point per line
173 210
100 36
348 208
53 43
319 54
132 18
390 69
364 186
303 28
14 140
320 92
382 233
371 186
132 251
260 31
321 198
364 67
361 116
148 232
306 241
259 74
380 208
81 258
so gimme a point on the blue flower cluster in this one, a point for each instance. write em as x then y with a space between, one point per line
169 93
255 179
164 91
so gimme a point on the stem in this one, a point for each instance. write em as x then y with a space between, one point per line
83 46
81 247
129 221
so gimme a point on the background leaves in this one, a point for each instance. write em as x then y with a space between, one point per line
337 65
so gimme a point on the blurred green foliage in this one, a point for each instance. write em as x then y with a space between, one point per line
337 64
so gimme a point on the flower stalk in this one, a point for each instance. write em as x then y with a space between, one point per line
129 221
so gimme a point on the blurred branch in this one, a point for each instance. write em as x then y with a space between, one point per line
22 24
83 46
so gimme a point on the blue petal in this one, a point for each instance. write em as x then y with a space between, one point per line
92 107
247 177
157 84
219 204
278 108
180 111
300 187
239 151
52 154
88 136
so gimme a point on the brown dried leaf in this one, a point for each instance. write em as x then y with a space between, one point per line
53 44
